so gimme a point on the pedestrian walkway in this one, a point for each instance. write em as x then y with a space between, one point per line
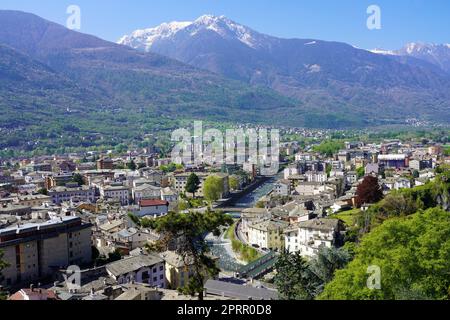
259 267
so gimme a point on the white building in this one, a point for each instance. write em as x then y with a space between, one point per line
310 188
145 269
146 191
118 192
316 176
130 238
304 157
307 237
155 208
282 188
402 183
179 181
351 177
267 234
169 195
62 194
291 171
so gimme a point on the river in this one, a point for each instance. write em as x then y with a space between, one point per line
221 247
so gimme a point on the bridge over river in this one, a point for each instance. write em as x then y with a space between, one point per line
258 268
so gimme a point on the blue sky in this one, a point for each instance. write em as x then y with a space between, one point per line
344 20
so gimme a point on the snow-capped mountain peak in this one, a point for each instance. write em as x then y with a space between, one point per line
384 52
145 39
437 54
209 19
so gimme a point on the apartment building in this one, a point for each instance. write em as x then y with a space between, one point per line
146 192
58 180
146 269
120 193
307 237
35 200
35 251
268 234
179 180
62 194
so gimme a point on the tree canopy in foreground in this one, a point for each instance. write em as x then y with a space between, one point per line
184 233
413 254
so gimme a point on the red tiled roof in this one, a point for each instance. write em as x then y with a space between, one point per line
35 294
153 203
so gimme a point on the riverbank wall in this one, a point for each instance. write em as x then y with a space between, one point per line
234 197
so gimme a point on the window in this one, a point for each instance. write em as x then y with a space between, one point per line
145 276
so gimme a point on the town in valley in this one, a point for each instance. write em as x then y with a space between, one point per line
84 226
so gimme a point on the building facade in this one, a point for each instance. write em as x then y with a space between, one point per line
36 250
307 237
62 194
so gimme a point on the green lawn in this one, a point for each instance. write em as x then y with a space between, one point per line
245 252
347 216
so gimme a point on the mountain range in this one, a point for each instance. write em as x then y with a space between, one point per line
61 85
52 76
437 54
335 77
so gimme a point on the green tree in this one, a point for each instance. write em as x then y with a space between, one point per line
3 265
328 168
412 252
114 256
440 188
171 167
131 165
192 184
213 188
447 151
141 165
191 228
329 148
326 263
304 280
234 182
361 172
43 191
78 178
293 277
397 204
260 205
134 218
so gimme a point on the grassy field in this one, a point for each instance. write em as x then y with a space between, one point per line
245 252
347 216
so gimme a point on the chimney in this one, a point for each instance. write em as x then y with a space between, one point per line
32 287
